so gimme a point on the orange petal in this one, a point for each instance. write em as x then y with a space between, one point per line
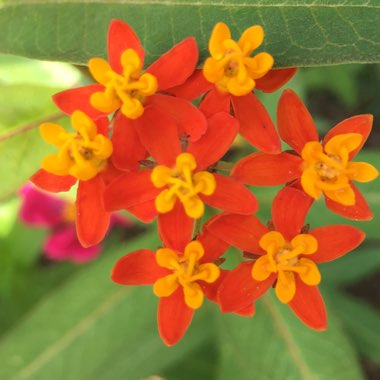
231 195
74 99
335 241
92 219
120 38
295 124
175 66
214 102
211 147
357 124
173 317
138 268
51 182
255 123
289 210
275 79
213 247
242 231
262 169
175 228
308 305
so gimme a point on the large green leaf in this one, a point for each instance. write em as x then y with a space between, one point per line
298 32
275 345
90 328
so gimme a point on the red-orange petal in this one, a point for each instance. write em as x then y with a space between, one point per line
176 65
275 79
173 317
263 169
74 99
289 210
175 228
92 220
239 289
247 311
214 102
138 268
130 189
256 125
127 147
309 306
102 126
335 241
158 133
211 147
146 212
212 245
193 88
51 182
357 124
120 38
359 211
242 231
210 290
231 195
295 124
191 123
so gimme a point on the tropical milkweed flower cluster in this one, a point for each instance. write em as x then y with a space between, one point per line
140 144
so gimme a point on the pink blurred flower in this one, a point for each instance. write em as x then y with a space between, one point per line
41 210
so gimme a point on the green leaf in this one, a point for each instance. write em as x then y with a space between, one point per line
91 328
298 33
361 322
275 345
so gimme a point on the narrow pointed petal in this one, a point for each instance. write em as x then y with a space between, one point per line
158 133
248 311
275 79
295 124
359 211
130 189
51 182
92 219
239 289
357 124
289 210
256 126
242 231
138 268
190 121
120 38
335 241
127 147
231 196
210 290
176 65
75 99
175 228
193 88
214 102
263 169
212 245
308 305
173 317
211 147
146 212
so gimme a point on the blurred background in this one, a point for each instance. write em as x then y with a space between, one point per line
62 318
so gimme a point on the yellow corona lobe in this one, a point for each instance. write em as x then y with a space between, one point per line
230 66
126 91
186 272
328 169
182 183
283 258
82 154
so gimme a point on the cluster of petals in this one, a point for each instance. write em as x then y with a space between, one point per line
141 145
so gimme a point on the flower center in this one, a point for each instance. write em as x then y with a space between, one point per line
286 259
82 154
186 272
182 184
127 90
